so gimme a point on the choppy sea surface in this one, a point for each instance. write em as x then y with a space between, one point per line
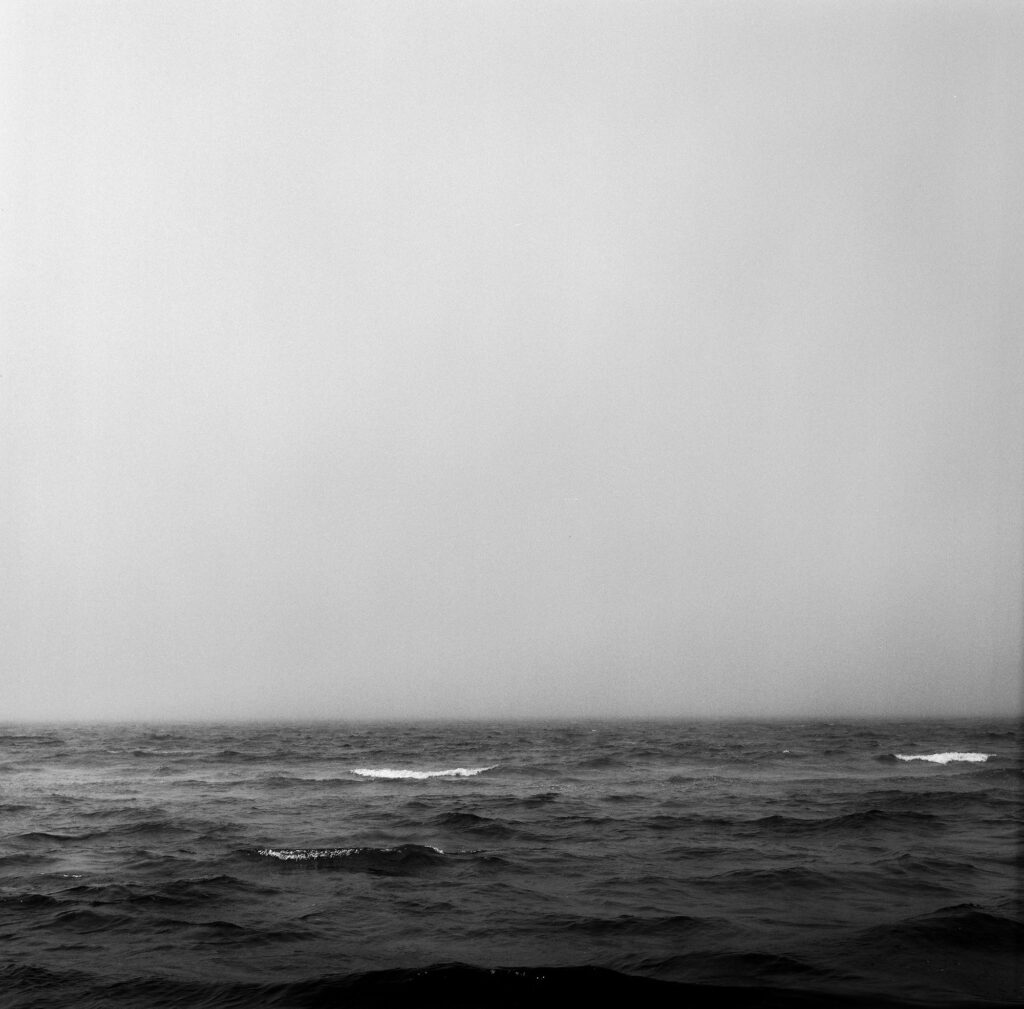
669 863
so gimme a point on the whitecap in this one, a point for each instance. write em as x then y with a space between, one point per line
306 854
312 854
945 758
390 772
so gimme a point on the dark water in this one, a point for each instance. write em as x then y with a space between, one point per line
665 863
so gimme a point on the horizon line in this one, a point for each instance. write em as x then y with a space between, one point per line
504 719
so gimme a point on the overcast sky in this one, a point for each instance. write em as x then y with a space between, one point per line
510 358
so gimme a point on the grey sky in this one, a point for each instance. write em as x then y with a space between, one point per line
498 358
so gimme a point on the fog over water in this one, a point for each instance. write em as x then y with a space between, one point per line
510 359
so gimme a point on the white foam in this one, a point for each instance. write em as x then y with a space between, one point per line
308 854
390 772
304 854
945 758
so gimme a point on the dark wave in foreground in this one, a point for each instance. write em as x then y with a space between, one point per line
450 985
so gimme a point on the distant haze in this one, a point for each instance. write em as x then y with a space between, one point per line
510 359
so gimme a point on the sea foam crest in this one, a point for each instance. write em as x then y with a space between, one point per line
401 772
312 854
945 758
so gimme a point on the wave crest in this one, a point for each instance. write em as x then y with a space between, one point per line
399 860
403 772
945 758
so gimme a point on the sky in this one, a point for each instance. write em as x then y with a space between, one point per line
510 359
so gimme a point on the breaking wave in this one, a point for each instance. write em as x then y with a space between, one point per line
399 860
402 772
945 758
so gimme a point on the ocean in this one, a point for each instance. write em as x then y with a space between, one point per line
505 864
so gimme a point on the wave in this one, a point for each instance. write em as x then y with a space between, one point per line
997 775
677 925
535 801
944 758
196 828
449 984
296 781
228 932
21 858
845 821
231 756
943 798
959 927
46 835
85 920
19 738
474 823
400 773
922 867
797 878
738 968
399 860
602 762
23 901
183 891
